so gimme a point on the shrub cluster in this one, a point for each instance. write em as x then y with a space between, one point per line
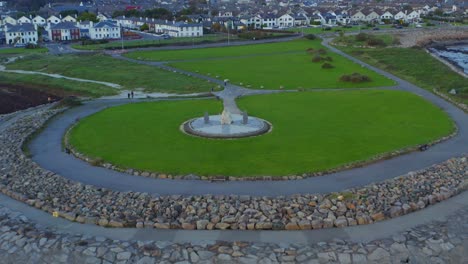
85 42
327 65
370 40
310 36
355 78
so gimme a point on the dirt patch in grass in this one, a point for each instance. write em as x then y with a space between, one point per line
18 97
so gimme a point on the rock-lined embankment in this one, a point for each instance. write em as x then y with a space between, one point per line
24 180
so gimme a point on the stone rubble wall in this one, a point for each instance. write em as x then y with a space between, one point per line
424 37
22 241
24 180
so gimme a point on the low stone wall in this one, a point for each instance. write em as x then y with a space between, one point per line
23 241
24 180
462 106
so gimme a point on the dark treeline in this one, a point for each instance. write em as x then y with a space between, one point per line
34 5
158 13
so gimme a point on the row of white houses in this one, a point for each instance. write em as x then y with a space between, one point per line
41 21
27 33
171 28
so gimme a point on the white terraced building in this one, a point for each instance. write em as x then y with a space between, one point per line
21 34
104 30
179 29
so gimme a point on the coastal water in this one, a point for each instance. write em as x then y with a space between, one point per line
455 54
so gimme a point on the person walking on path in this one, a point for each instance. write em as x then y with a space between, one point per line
128 95
132 94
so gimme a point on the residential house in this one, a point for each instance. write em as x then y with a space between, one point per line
372 16
342 17
9 20
387 15
400 16
53 20
101 17
179 29
40 21
21 34
358 16
328 19
285 21
269 20
301 20
104 30
63 31
23 20
69 19
414 16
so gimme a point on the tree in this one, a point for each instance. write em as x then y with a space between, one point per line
69 13
439 12
216 27
88 17
144 27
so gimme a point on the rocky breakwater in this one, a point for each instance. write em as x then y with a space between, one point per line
23 241
24 180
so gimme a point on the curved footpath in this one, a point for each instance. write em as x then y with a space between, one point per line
46 149
437 234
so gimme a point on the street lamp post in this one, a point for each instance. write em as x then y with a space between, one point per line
121 37
228 32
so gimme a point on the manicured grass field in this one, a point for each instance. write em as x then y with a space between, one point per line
9 51
62 85
312 131
155 42
416 66
289 69
270 66
104 68
223 52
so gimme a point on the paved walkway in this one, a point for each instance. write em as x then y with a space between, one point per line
46 150
359 234
59 76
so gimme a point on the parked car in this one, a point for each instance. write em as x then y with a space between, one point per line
19 45
376 28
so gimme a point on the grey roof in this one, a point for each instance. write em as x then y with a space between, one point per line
64 25
21 28
104 24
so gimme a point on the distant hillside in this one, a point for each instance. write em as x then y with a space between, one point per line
33 5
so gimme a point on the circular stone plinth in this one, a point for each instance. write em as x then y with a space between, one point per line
237 129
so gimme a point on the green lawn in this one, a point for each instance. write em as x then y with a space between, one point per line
416 66
104 68
223 52
9 51
57 86
312 131
155 43
272 65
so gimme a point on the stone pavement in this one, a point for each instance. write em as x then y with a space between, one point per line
22 240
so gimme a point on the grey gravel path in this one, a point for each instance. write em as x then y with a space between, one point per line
359 234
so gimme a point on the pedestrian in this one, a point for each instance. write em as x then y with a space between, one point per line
128 95
132 94
225 83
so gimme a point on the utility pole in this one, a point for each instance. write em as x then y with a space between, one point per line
121 37
228 32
